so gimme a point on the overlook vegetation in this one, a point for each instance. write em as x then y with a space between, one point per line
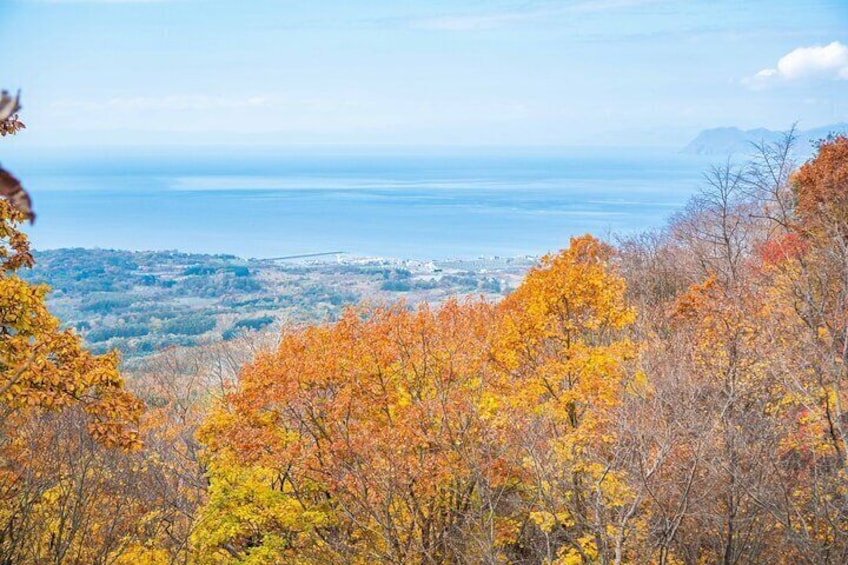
140 303
677 397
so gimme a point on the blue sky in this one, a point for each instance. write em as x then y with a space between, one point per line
461 72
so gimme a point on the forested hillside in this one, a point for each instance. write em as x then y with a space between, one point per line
677 397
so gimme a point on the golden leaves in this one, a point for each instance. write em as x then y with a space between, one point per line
398 426
42 366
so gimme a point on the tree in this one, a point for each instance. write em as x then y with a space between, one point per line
362 441
465 434
821 187
46 377
561 357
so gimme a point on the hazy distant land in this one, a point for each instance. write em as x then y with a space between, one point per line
143 302
726 141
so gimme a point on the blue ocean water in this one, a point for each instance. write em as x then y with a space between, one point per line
428 205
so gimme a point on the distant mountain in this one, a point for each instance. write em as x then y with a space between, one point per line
731 140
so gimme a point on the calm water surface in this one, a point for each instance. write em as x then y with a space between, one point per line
411 206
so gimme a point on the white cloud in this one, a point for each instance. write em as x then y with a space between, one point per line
820 62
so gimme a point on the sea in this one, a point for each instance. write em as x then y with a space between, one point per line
410 204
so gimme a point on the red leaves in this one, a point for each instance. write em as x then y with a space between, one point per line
784 247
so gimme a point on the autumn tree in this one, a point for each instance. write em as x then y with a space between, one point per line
821 186
47 380
359 442
466 434
561 358
742 369
808 267
677 399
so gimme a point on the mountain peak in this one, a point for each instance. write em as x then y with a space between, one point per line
732 140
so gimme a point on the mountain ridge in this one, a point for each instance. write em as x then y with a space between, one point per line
730 140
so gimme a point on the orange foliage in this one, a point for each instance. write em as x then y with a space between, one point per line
821 186
63 410
408 436
373 423
555 427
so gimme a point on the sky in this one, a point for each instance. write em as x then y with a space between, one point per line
419 73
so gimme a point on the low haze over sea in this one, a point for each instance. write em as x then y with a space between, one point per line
427 204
